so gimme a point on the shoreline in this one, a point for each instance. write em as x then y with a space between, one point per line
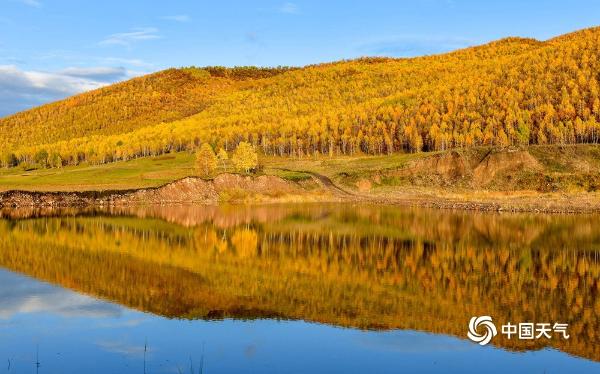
238 189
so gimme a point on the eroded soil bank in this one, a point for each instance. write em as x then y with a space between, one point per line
548 180
224 188
229 188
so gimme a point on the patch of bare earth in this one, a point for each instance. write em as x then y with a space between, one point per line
498 165
497 180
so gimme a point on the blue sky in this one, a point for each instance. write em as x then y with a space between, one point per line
50 49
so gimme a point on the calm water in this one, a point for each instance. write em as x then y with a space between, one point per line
294 289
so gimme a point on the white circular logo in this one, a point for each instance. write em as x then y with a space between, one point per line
490 330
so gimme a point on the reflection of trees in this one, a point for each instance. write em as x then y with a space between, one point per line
356 266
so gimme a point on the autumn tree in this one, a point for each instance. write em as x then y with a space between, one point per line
9 160
206 161
55 161
415 141
41 158
223 157
245 157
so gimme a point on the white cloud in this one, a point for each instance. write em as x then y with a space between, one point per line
15 81
101 74
67 81
289 8
178 18
134 36
23 295
22 89
123 348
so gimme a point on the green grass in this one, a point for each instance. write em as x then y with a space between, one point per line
291 175
572 165
139 173
344 165
566 158
156 171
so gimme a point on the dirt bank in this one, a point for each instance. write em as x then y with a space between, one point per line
543 179
230 188
224 188
538 179
567 169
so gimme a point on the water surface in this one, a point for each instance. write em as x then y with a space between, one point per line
295 288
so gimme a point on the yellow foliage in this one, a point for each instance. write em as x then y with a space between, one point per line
510 92
245 242
206 161
245 157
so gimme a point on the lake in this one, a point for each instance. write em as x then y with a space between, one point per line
334 288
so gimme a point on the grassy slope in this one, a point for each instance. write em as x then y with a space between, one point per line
139 173
155 171
339 169
563 165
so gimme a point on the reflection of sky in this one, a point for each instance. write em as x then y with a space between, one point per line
76 334
19 294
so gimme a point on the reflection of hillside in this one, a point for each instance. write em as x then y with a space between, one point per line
360 266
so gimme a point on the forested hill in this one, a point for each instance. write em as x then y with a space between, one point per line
510 92
165 96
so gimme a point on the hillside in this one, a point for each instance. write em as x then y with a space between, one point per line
165 96
507 93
